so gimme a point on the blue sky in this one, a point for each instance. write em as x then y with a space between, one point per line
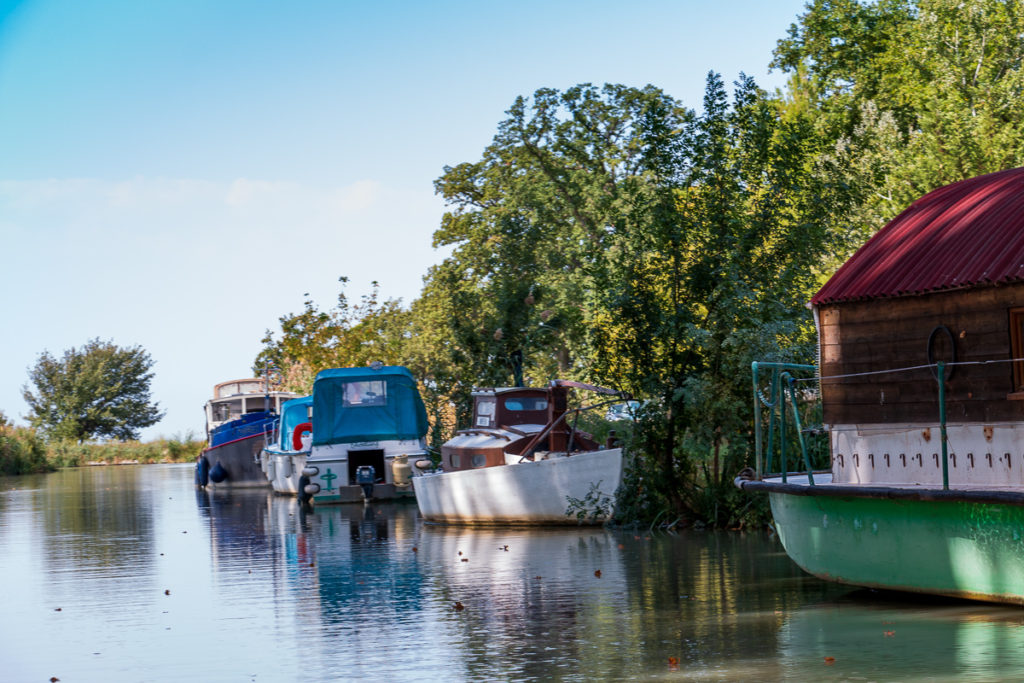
177 174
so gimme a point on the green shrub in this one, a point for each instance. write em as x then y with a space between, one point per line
22 451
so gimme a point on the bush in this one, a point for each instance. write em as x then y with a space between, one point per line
22 451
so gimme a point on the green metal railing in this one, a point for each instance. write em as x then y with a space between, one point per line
781 383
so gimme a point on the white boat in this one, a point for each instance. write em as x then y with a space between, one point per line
368 425
522 463
284 457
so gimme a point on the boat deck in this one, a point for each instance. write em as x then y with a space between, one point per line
799 484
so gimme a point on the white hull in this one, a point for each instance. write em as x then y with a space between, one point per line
334 478
525 493
283 470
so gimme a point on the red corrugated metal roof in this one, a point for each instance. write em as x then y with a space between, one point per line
964 234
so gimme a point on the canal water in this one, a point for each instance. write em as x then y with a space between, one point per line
129 574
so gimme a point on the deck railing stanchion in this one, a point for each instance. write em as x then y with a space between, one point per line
799 427
942 424
758 446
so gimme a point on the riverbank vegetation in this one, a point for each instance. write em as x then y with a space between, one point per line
613 235
23 450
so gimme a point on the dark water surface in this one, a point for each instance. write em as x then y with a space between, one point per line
129 574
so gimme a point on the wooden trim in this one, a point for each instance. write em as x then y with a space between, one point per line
1017 347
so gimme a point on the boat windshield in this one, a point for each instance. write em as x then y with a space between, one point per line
526 403
365 394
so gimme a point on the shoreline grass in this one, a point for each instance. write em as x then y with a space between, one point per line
23 451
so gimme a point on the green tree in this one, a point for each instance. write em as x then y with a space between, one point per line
346 335
911 94
98 391
614 236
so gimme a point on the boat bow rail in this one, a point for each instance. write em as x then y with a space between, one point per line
781 409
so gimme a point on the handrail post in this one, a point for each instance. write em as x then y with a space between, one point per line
942 424
799 427
771 418
758 446
781 402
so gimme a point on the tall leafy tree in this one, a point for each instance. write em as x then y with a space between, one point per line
345 335
913 94
100 390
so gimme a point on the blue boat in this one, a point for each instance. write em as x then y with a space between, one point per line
368 425
284 458
239 418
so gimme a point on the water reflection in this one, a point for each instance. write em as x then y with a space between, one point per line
870 635
139 577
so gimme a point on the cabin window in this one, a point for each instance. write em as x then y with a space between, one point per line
484 412
526 403
373 393
456 461
229 410
479 460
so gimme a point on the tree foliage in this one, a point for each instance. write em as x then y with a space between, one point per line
98 391
913 95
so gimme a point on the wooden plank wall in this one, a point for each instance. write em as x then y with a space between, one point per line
884 334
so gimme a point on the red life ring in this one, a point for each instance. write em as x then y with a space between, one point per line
300 429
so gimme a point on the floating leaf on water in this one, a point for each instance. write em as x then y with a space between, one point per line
829 661
415 549
167 592
465 559
889 634
459 606
597 573
673 664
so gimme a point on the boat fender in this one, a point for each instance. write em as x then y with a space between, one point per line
300 429
202 471
286 467
218 473
310 470
270 470
304 493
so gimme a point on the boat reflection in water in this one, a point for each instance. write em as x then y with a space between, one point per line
528 603
867 635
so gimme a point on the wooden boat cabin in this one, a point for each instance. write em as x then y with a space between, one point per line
511 424
944 281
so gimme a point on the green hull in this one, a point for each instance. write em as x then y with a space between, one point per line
965 549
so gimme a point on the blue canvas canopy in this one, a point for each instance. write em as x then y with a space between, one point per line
293 413
367 404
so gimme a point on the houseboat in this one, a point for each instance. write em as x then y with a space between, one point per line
523 462
921 380
238 419
368 425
